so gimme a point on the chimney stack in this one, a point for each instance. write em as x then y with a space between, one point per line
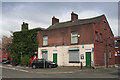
24 26
54 20
74 16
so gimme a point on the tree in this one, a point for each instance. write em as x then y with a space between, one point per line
6 43
24 42
25 60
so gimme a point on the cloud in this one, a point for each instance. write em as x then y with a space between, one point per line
39 14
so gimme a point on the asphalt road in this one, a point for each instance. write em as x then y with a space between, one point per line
96 73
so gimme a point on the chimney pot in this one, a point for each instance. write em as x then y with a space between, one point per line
54 20
24 26
53 16
74 16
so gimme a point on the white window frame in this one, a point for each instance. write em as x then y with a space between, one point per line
45 40
74 35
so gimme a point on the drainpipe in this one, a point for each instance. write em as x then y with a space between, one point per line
107 53
93 61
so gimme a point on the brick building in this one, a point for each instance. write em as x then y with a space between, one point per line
89 41
117 49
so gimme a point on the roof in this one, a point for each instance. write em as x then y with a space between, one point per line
76 22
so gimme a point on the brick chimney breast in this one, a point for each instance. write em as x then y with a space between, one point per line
74 16
54 20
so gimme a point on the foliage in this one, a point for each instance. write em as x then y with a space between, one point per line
6 43
24 42
25 60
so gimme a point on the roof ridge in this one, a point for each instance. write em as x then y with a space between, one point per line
78 20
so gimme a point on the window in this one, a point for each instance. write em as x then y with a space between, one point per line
74 37
74 56
45 40
109 54
45 54
96 35
100 37
116 44
104 25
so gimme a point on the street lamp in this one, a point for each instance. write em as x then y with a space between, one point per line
107 51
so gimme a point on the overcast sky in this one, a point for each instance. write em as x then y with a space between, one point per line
39 14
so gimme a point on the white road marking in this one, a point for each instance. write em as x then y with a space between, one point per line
14 69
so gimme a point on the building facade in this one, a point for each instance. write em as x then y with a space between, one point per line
117 50
89 41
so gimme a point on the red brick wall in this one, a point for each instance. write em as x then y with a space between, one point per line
117 58
119 53
101 48
62 36
4 55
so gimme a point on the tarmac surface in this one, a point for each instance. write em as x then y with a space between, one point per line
9 71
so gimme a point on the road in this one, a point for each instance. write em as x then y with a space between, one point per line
56 73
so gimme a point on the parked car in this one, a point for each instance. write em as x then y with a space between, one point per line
41 63
6 61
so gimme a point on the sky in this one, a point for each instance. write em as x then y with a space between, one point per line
39 14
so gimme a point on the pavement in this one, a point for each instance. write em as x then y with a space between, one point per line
42 70
10 71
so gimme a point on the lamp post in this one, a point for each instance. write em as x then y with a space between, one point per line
44 59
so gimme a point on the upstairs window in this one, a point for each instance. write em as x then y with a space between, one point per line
116 44
74 37
45 40
104 25
96 35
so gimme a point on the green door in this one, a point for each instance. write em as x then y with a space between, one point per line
55 58
88 58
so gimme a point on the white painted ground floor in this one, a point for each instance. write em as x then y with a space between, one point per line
69 55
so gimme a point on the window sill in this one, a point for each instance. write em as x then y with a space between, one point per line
74 44
96 41
45 46
74 61
101 42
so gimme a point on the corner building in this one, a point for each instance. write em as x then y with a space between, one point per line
89 41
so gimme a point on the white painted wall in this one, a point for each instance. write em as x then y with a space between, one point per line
63 55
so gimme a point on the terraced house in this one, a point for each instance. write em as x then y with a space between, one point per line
89 41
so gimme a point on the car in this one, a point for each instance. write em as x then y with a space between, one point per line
6 61
42 63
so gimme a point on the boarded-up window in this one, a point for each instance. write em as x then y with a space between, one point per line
101 37
104 25
96 35
45 40
74 37
110 54
74 57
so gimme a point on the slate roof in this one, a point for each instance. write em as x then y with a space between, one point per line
76 22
